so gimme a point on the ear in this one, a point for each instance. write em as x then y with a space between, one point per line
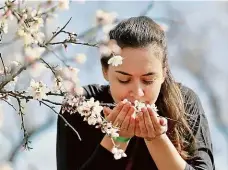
105 73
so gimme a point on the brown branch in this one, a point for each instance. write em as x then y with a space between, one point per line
26 136
57 33
49 67
68 124
9 104
3 63
55 103
79 43
19 96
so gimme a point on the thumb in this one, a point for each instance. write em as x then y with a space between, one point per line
163 121
106 111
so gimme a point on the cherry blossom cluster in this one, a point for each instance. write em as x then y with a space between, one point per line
30 24
91 111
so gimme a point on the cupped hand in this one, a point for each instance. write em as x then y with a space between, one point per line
149 125
121 116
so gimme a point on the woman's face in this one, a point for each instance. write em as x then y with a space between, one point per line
139 77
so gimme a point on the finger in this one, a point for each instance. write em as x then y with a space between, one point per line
132 125
163 121
137 128
148 123
126 122
142 126
106 111
115 111
154 119
121 115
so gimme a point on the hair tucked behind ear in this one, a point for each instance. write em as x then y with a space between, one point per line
142 31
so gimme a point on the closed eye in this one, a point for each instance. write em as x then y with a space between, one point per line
147 82
124 81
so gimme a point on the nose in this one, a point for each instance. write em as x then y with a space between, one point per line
136 91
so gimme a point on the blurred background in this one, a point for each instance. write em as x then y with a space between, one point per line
197 40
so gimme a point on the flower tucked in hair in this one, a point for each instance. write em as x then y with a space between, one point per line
115 60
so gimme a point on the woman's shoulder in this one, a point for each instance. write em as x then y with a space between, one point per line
190 97
98 92
194 111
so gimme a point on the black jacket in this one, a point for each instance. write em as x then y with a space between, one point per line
88 154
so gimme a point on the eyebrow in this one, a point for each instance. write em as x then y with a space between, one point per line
147 74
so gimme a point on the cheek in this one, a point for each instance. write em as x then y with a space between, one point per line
118 91
152 93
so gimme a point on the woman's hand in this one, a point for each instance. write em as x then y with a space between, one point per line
121 116
149 125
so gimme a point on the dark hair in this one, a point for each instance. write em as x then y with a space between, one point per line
137 32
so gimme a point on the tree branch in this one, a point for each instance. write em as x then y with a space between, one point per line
57 33
68 124
3 63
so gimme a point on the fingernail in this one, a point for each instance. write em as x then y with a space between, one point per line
144 109
125 101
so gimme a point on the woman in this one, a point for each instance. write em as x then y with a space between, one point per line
181 142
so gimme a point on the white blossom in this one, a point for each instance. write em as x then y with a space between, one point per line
111 47
64 4
33 53
118 153
110 130
13 67
28 39
80 58
38 37
153 107
68 73
115 60
103 18
21 32
139 105
91 109
38 90
105 50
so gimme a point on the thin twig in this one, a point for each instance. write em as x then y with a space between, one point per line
78 43
56 103
49 67
3 63
58 31
53 52
21 114
68 124
55 94
3 7
9 104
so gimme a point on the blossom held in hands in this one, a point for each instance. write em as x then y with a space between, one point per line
139 105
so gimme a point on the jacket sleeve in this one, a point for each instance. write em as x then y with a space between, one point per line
203 158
